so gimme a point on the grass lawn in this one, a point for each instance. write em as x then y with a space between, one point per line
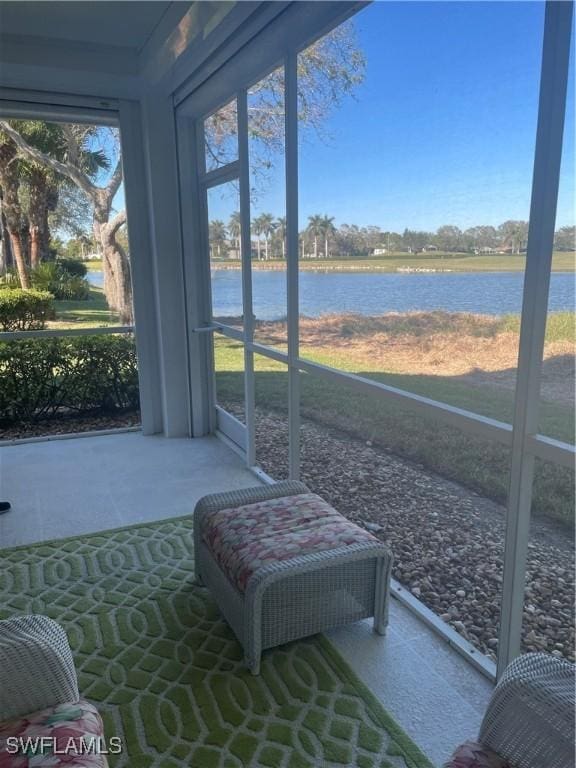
91 313
455 262
478 464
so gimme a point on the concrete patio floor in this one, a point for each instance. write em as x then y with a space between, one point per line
81 485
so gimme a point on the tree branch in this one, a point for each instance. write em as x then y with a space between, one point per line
66 169
118 220
115 180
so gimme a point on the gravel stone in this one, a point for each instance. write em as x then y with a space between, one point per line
447 541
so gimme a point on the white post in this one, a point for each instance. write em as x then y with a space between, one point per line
548 153
246 250
193 218
163 212
142 266
291 122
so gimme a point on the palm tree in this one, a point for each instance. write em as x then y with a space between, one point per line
40 183
267 226
258 227
10 182
329 229
217 235
513 234
316 229
281 233
234 229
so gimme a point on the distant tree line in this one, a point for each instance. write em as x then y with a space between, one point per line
322 239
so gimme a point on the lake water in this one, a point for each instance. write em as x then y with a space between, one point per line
95 278
370 293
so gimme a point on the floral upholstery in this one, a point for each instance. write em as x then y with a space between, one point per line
244 539
73 734
471 754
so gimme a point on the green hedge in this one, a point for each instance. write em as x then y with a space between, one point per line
24 310
44 378
73 267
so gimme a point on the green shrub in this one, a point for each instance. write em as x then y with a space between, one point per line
73 267
52 277
22 310
43 378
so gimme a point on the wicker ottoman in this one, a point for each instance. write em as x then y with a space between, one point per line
282 564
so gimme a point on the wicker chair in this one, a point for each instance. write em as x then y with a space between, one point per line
39 697
530 719
36 666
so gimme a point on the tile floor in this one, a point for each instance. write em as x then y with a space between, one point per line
67 487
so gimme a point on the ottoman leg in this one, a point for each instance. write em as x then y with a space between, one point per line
253 665
379 627
381 597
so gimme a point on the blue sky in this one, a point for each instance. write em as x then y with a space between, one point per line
442 130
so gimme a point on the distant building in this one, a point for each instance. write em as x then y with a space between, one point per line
379 251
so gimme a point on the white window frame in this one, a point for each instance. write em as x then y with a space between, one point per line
277 46
125 115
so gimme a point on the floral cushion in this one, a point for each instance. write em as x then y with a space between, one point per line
471 754
68 735
244 539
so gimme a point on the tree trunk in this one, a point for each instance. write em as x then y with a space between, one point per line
19 258
11 208
266 248
117 284
116 269
38 217
326 247
284 248
258 246
315 246
6 258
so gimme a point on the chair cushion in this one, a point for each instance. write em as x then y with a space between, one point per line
471 754
244 539
73 730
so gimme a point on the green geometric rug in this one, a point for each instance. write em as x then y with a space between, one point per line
166 672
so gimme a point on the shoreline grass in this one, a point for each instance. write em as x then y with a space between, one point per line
562 261
93 265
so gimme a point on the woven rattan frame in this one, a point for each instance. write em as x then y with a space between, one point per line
294 598
530 717
36 666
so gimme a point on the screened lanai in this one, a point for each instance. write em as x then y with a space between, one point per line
348 267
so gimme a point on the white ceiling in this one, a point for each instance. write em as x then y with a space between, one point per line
110 23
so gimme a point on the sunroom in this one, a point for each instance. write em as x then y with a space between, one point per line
289 241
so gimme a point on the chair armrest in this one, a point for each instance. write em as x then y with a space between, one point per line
530 717
36 666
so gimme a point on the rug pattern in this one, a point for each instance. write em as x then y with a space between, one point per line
153 653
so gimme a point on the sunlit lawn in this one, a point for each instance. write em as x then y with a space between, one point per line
91 313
